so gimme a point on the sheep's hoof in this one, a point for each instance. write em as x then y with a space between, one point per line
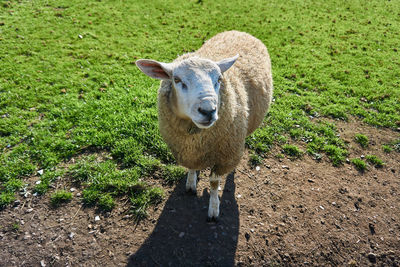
212 219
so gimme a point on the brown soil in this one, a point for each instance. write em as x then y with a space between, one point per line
297 213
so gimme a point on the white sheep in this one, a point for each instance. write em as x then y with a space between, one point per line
209 101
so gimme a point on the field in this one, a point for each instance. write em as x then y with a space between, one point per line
79 137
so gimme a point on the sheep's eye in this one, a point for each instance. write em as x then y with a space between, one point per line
220 79
177 80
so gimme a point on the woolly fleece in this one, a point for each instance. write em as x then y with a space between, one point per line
245 97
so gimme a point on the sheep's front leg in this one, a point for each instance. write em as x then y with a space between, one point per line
191 181
213 208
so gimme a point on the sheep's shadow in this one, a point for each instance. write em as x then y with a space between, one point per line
182 236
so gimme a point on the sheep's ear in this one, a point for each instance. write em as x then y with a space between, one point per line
155 69
226 63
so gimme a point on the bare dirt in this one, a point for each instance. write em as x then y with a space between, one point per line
285 213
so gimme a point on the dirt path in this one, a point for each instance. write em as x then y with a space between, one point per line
286 212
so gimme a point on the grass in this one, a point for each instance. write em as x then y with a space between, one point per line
375 160
359 164
69 86
59 197
362 140
292 151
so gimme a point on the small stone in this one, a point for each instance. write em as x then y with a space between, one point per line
371 257
42 263
38 182
17 202
371 228
71 235
238 195
181 234
247 236
97 218
285 167
252 230
362 156
321 207
348 161
310 180
257 168
72 189
29 210
40 172
80 36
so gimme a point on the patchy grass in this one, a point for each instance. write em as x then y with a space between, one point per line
362 140
359 164
255 159
68 83
59 197
375 160
292 151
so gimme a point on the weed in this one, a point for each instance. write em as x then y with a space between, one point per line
359 164
6 197
255 159
173 173
16 227
292 151
106 202
375 160
336 154
387 148
362 140
59 197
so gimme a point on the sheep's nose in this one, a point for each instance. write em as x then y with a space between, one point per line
207 113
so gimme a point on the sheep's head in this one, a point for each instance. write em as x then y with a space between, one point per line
196 83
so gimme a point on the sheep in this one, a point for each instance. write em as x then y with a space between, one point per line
209 101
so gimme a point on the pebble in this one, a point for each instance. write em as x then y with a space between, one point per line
285 167
371 257
257 168
42 263
310 180
97 218
247 236
72 189
238 195
29 210
40 172
38 182
71 235
181 234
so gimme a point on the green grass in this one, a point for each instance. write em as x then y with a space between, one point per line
359 164
375 160
255 159
59 197
69 86
292 151
362 140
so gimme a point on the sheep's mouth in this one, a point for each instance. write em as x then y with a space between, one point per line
205 124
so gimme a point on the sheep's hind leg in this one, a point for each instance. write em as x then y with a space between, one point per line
213 208
191 181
